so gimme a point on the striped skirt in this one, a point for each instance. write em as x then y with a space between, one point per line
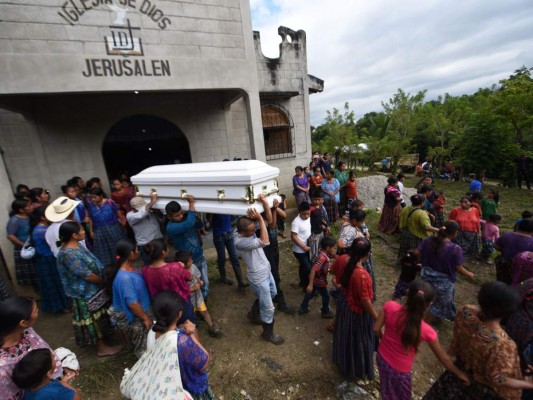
354 342
135 331
89 327
24 270
369 266
105 238
301 197
400 289
332 209
390 219
53 298
443 307
343 205
408 241
469 242
440 220
4 293
395 385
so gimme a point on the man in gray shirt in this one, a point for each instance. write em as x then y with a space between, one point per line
261 280
144 223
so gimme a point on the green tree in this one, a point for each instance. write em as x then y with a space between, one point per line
513 103
337 133
444 125
402 110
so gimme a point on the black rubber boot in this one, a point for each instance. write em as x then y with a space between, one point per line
282 305
240 280
269 335
254 314
223 278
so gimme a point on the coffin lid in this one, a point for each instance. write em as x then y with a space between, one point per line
230 172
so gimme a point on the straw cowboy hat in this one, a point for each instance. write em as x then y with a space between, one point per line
137 203
60 209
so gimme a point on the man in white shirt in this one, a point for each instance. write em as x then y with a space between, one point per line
300 233
144 223
60 211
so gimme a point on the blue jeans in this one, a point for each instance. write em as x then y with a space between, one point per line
323 291
305 268
201 263
222 243
265 291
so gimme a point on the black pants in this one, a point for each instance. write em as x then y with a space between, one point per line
305 268
525 176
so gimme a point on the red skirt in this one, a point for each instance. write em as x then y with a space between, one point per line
390 219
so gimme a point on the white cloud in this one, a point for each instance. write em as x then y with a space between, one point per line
366 50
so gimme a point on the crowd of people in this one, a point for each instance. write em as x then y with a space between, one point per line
89 246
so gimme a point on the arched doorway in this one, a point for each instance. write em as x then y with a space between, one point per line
141 141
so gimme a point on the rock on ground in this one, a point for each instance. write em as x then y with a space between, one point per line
370 191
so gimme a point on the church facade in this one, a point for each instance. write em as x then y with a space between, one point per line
103 87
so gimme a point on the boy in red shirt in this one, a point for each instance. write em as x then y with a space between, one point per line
318 278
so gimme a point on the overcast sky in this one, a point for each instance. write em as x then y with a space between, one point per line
365 50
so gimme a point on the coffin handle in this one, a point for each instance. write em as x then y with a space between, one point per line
183 193
249 196
221 193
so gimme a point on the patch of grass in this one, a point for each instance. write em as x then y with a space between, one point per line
99 375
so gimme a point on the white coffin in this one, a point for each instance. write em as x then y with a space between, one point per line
228 187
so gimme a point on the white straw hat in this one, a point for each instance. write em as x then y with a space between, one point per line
60 209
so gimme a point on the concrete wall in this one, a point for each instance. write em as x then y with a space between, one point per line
284 81
45 45
64 135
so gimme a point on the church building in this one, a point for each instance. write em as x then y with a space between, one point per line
96 88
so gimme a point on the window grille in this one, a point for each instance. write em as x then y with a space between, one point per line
278 133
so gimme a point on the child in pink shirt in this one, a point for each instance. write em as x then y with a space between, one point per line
490 232
405 330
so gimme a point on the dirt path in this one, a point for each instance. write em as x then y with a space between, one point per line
246 367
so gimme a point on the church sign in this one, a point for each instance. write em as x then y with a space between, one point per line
123 40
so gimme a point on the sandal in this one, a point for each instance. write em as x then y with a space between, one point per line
214 331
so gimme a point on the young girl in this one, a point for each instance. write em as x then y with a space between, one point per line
351 191
53 298
489 204
197 300
40 197
194 359
33 374
131 300
121 196
475 201
353 339
491 232
71 191
18 232
160 275
316 179
331 188
404 332
410 267
438 209
468 219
